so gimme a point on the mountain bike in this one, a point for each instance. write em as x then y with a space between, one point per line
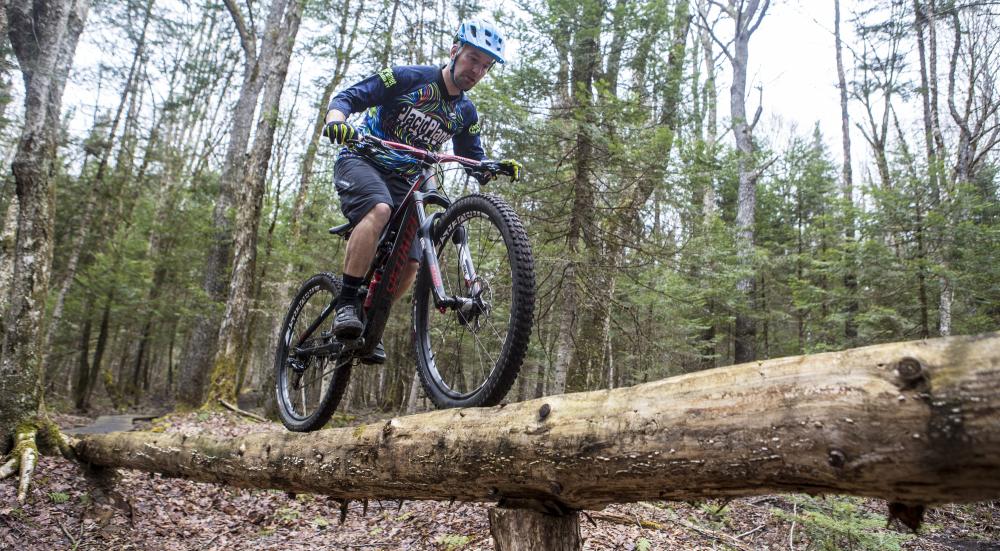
472 309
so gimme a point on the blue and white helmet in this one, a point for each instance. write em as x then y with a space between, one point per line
482 35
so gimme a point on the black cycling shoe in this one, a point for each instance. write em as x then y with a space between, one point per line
376 357
346 324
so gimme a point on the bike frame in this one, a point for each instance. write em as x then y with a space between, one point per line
392 254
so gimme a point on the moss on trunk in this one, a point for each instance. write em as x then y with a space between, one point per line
223 381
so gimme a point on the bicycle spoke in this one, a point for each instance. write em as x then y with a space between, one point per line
495 332
319 376
481 345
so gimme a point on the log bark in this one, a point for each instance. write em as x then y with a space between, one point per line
527 530
911 422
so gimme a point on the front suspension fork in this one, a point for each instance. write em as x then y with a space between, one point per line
425 233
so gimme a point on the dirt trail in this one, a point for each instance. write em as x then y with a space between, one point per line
111 423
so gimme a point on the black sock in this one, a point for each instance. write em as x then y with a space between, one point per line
349 290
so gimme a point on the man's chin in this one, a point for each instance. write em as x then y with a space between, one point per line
465 84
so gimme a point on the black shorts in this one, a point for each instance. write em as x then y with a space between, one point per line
361 186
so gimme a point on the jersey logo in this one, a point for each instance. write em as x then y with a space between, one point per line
474 129
421 128
387 78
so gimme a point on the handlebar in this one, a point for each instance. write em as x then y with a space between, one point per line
366 141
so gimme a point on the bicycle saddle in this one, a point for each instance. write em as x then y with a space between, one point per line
343 230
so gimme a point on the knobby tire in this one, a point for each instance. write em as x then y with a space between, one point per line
449 374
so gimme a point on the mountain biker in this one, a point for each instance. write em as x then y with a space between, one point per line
417 105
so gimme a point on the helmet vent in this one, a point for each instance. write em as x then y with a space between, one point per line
483 36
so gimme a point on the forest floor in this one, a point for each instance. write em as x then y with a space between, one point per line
63 511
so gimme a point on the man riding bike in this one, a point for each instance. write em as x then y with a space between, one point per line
420 106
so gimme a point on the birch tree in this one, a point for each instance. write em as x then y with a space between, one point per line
44 34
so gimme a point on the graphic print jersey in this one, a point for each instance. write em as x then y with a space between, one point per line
411 105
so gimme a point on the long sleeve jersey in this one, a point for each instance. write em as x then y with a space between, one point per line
411 105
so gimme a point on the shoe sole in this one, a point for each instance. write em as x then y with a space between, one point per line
348 330
373 360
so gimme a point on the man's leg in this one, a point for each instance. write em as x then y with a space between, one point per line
364 239
365 201
406 279
358 257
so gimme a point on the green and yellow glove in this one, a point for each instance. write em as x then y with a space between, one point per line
511 168
340 131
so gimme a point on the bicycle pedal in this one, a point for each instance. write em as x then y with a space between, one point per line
297 365
350 345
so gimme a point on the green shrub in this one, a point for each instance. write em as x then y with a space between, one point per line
835 523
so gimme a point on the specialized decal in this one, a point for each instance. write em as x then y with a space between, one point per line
474 129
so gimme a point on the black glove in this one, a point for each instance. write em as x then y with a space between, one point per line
340 131
483 174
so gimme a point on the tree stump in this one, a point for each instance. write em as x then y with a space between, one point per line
529 530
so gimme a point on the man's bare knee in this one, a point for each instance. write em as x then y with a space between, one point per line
379 215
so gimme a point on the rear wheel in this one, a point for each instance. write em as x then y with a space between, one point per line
470 356
308 387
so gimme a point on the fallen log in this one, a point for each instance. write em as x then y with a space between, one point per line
913 422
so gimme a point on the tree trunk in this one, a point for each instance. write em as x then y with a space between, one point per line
746 17
286 286
847 180
385 55
83 367
911 422
220 337
276 50
77 250
626 226
707 337
44 35
586 62
95 364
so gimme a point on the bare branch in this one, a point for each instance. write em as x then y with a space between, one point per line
711 32
760 108
247 40
760 16
728 10
962 124
767 164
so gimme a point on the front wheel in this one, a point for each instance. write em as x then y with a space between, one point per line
469 356
309 386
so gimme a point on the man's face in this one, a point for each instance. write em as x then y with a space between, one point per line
471 66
